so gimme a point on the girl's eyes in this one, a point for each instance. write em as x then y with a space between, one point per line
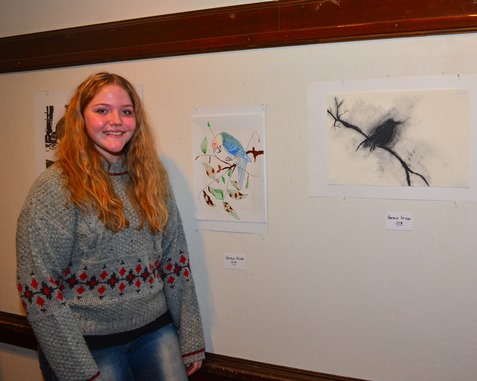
103 111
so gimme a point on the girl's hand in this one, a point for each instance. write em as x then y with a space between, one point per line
193 367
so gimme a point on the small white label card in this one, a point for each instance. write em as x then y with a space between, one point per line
399 221
234 261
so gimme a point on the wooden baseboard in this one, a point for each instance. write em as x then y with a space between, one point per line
15 330
232 368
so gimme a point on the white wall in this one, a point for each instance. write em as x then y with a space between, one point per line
18 364
328 289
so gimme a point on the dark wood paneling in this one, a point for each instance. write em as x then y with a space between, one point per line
231 368
258 25
15 330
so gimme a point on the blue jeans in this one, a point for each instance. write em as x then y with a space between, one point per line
155 356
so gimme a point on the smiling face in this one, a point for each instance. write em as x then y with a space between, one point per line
110 121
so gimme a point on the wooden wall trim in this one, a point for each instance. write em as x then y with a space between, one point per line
231 368
248 26
15 330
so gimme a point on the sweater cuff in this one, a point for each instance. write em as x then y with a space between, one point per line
94 378
194 356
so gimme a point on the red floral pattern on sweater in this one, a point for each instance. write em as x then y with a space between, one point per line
83 282
172 270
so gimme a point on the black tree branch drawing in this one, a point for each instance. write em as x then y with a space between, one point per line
381 136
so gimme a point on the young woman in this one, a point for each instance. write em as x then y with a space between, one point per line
102 259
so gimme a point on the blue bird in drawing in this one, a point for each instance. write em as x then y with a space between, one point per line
227 148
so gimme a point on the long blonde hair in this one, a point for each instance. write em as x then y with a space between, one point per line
89 183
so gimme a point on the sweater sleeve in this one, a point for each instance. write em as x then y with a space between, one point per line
44 245
179 287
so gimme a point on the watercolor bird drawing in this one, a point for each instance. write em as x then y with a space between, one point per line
225 161
228 149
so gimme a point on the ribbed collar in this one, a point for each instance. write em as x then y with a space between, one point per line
115 169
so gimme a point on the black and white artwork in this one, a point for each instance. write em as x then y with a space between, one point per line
400 138
49 110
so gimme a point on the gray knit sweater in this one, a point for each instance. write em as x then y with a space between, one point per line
77 278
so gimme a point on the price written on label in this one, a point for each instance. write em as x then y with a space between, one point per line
399 221
234 261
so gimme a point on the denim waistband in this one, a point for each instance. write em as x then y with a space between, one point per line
119 338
